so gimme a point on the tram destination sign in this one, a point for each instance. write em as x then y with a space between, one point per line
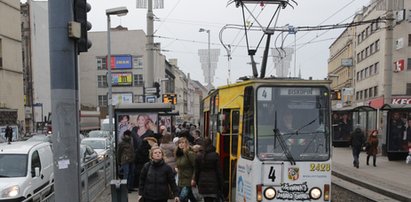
300 91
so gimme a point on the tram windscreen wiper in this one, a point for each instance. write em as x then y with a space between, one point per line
302 127
281 141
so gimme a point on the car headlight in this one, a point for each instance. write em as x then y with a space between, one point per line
10 192
269 193
315 193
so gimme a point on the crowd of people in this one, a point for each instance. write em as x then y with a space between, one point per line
174 164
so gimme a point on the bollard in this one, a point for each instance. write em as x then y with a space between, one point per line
119 191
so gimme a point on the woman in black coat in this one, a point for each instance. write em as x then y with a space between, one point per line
157 179
209 177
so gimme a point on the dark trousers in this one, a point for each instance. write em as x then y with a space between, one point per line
186 193
356 154
128 173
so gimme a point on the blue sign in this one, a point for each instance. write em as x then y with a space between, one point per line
121 62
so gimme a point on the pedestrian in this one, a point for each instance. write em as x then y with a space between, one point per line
185 159
140 132
372 147
198 140
125 154
357 141
209 178
168 147
8 134
157 179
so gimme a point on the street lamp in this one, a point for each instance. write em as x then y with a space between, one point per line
209 58
119 11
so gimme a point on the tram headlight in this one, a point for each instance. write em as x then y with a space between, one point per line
315 193
269 193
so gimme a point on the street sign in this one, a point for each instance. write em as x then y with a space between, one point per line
151 90
151 99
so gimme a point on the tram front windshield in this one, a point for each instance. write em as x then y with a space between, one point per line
293 123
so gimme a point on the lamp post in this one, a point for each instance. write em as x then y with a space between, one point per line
209 58
119 11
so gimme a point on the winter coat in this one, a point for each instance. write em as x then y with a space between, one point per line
125 152
372 149
185 162
169 158
141 146
208 173
357 138
156 181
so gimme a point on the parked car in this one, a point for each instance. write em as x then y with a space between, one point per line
100 145
25 168
100 133
88 157
40 138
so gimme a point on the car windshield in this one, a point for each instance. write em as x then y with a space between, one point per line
292 123
95 144
13 165
39 138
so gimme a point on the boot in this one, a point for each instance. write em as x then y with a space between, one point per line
374 161
368 159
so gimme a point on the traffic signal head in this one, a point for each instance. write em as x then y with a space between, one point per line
81 8
157 86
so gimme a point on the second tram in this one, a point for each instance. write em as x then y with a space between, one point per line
273 137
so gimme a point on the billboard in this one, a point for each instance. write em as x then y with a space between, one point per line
122 98
121 62
141 124
122 79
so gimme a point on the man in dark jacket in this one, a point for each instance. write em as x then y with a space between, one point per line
125 155
209 177
357 141
8 134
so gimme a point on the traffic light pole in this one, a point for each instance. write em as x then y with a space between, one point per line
64 102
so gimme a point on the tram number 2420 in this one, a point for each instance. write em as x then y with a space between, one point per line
320 167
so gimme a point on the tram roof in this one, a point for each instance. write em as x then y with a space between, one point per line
277 80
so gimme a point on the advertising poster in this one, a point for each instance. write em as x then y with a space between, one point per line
141 124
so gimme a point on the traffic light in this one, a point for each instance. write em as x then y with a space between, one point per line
81 8
157 86
335 95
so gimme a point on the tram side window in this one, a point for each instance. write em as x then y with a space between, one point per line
247 143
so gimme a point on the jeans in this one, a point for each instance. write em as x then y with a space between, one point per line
356 154
186 193
128 173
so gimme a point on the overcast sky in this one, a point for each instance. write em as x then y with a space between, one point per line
177 29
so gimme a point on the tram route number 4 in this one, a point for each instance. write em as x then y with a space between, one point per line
271 174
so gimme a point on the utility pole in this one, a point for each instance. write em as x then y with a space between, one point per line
64 102
388 54
149 80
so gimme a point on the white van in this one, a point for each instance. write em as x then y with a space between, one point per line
25 169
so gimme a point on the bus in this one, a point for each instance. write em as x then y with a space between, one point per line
273 136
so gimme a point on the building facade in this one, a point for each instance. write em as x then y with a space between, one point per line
11 66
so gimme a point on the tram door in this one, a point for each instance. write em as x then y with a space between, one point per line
228 154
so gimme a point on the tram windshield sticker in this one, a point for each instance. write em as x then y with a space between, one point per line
300 91
264 94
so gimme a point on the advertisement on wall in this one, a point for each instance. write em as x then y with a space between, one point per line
122 79
121 62
122 98
141 124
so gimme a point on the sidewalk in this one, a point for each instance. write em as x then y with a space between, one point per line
388 178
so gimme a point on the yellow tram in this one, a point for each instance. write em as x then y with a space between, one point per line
274 138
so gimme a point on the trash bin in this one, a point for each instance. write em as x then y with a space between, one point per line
119 191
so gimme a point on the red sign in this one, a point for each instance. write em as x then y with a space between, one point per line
399 66
401 101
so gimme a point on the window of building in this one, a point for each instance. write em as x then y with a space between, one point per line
138 80
139 98
370 92
357 95
359 38
362 74
137 62
367 51
377 45
408 91
361 95
409 39
363 35
1 54
102 100
102 81
376 67
358 57
367 31
101 63
365 93
409 64
366 72
358 76
371 49
375 91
